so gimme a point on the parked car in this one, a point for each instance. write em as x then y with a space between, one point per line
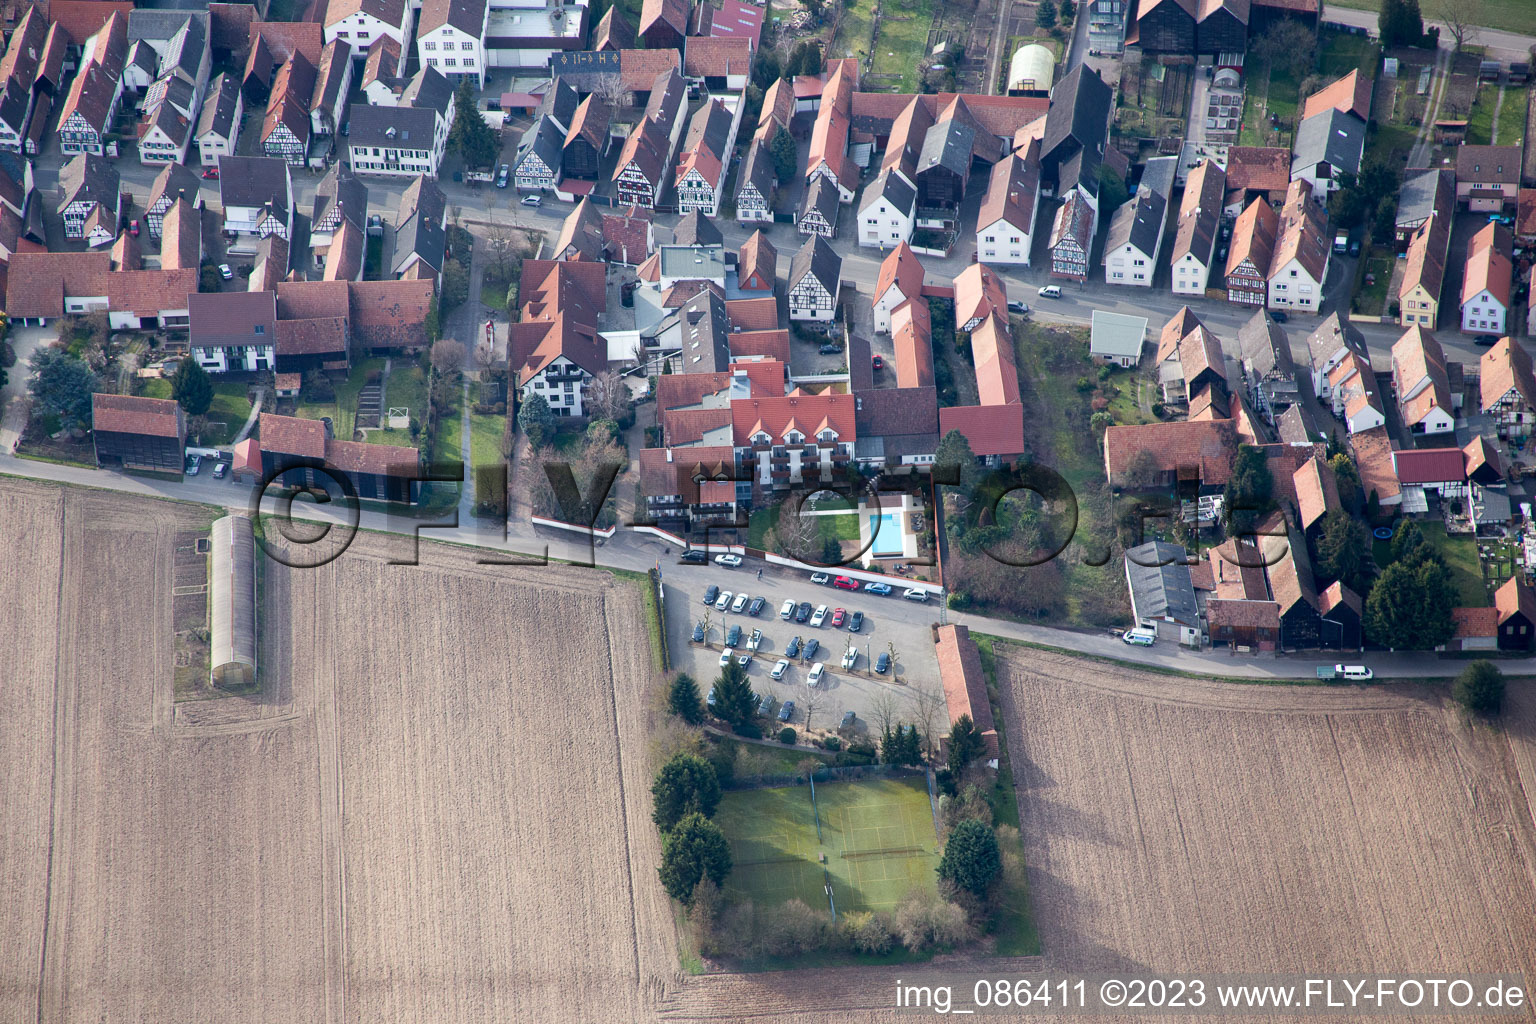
693 557
733 637
765 706
829 349
1354 247
877 588
503 175
225 272
787 711
915 594
803 611
710 700
133 227
756 606
1354 673
850 657
1050 291
838 615
855 622
779 668
755 640
817 672
811 647
220 470
531 201
876 363
194 463
710 593
793 650
1021 308
1279 316
1139 637
725 657
739 605
820 578
698 632
883 663
724 600
819 615
846 583
787 610
211 174
744 659
847 723
730 561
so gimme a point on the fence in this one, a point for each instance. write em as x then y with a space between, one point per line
661 620
824 774
574 528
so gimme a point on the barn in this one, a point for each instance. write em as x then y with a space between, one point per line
232 603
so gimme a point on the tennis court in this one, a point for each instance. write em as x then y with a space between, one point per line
877 836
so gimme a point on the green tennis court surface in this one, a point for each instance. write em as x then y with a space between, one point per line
877 836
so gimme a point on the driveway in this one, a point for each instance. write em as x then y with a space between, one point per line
14 401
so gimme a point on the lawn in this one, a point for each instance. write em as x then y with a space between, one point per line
156 387
1372 299
229 408
1506 15
1459 554
494 295
877 837
342 410
405 388
853 31
1511 122
450 430
1480 120
1268 92
903 41
1340 53
485 440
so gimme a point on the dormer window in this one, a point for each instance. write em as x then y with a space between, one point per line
794 437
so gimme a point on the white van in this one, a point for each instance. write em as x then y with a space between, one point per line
1139 637
1050 291
1354 673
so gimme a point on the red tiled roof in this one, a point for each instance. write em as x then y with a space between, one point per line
1351 94
705 57
912 337
1488 266
1475 622
1429 465
128 414
738 20
149 292
978 293
964 682
807 413
902 268
990 429
1259 168
997 372
292 435
1373 459
1209 445
773 344
638 69
38 281
753 314
1515 597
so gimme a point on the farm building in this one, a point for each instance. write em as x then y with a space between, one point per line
965 686
131 432
232 603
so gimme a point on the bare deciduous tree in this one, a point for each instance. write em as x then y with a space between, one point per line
928 705
797 536
1460 17
882 706
607 396
813 700
485 354
447 357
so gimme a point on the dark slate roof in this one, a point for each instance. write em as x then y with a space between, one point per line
667 98
696 229
757 169
184 53
706 337
88 178
370 126
420 226
816 257
1080 106
174 180
546 139
1264 347
341 184
254 181
894 189
1160 590
1334 136
1296 425
219 107
14 100
948 145
1139 223
559 102
821 197
709 129
429 90
1416 199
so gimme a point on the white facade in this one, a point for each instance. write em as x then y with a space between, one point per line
211 145
1191 274
887 302
1484 314
1291 287
122 320
455 53
156 148
808 300
563 385
360 29
1004 242
522 34
1128 265
885 225
247 358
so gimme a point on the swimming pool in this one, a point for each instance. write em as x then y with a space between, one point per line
886 534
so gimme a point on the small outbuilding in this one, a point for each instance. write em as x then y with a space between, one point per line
232 603
1117 338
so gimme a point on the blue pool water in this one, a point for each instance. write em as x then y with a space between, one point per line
886 533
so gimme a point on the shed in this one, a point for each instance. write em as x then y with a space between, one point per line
232 603
1163 592
1117 338
1031 70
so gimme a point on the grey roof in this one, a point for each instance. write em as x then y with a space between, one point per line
706 338
821 197
560 102
173 181
468 16
420 227
394 127
159 24
1158 174
254 181
667 97
1332 136
184 53
757 170
893 188
87 178
1138 222
341 185
232 600
817 258
143 56
1161 591
693 262
696 229
544 139
1330 336
429 90
1416 199
947 145
334 60
1296 425
1078 115
1117 334
218 114
1264 348
709 129
15 101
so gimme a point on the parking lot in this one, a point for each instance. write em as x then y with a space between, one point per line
889 620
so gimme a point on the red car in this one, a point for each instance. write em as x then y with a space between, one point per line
837 618
877 362
212 174
845 583
133 227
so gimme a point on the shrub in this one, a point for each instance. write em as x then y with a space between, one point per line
971 857
857 753
1480 688
787 736
793 928
685 785
868 932
831 743
923 921
749 730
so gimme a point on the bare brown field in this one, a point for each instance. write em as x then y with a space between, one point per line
1179 825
